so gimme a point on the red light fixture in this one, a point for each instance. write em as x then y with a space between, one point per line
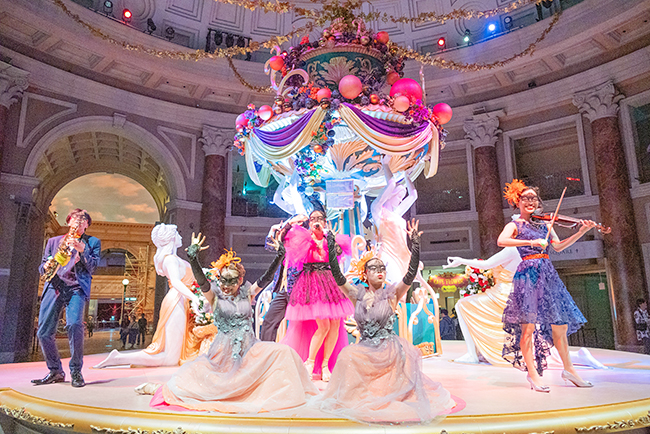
442 43
127 15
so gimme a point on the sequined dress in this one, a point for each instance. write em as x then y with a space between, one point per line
240 374
538 297
380 379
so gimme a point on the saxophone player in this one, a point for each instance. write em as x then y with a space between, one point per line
77 255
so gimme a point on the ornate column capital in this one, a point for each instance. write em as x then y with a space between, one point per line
13 82
598 102
216 141
483 129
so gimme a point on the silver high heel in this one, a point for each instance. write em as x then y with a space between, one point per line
567 376
309 366
535 387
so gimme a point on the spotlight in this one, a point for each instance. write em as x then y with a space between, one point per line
467 36
241 42
170 33
151 26
218 38
507 21
108 7
442 43
230 40
492 27
126 16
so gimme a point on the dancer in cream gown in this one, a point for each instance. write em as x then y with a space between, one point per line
173 343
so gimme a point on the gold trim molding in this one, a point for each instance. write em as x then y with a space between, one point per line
618 425
23 415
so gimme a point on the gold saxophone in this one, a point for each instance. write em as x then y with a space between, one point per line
62 255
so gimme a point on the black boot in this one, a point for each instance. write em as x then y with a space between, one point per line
77 379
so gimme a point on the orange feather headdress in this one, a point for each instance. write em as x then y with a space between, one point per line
230 257
513 191
358 266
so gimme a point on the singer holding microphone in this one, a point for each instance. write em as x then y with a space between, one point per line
66 269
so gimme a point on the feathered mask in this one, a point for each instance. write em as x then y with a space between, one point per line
358 266
513 191
225 260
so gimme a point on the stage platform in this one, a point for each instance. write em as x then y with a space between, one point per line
490 400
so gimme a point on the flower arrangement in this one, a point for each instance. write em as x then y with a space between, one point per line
201 312
479 281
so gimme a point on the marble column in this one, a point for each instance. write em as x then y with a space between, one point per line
622 249
482 131
13 82
216 143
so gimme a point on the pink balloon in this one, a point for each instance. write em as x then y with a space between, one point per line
323 93
401 103
350 86
407 87
443 112
241 120
265 112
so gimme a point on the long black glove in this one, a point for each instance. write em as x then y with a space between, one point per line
415 259
267 277
197 270
332 251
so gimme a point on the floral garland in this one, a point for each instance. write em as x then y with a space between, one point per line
479 281
201 311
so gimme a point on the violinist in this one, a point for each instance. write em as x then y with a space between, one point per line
540 311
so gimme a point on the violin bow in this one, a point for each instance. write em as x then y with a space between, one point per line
554 218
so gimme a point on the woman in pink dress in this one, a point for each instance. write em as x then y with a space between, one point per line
240 374
316 304
380 379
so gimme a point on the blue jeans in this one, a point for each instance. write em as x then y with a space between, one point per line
74 300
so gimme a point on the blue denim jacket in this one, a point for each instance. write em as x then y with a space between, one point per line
84 268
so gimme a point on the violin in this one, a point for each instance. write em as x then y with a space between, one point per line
566 221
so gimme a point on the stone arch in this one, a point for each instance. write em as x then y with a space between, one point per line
158 171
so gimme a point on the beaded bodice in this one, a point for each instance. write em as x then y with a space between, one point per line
530 231
374 314
233 317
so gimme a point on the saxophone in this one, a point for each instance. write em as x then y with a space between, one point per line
62 255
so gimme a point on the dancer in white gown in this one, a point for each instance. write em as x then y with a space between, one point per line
173 343
480 315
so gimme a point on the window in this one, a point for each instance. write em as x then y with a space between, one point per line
551 160
641 130
448 190
248 198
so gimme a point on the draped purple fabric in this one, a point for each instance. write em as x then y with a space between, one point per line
388 128
286 135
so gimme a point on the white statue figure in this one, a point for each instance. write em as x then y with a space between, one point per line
173 342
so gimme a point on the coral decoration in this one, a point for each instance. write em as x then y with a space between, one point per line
479 281
323 93
350 86
407 87
230 257
276 63
358 266
401 103
442 112
392 77
382 37
513 191
265 112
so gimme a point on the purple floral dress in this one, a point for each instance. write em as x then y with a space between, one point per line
538 297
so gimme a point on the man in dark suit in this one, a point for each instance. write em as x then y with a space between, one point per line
69 288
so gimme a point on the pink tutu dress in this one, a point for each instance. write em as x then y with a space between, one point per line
313 293
380 379
239 374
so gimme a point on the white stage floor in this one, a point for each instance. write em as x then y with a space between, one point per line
482 391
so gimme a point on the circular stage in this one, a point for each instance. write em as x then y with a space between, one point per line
490 400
